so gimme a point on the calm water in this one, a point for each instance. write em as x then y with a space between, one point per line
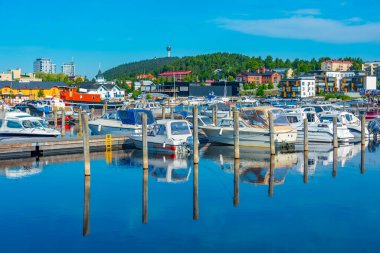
326 209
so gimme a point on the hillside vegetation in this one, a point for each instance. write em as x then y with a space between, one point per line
216 66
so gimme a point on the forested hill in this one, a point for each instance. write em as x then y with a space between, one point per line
130 70
216 65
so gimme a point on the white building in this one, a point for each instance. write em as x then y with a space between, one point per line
370 82
106 91
68 68
44 65
307 86
370 67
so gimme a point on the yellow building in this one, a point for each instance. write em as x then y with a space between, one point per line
30 90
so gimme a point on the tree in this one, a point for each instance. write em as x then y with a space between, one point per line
270 86
230 78
40 93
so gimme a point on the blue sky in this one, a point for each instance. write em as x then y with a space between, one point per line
115 32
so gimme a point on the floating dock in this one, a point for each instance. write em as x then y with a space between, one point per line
52 146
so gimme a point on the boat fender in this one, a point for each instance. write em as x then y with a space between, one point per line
221 131
99 128
164 145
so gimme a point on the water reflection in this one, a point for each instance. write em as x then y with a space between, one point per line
86 208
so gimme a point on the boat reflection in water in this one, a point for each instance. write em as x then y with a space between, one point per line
254 163
17 168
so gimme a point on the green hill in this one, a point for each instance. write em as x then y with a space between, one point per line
216 66
130 70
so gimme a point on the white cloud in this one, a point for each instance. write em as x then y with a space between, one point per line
308 28
312 12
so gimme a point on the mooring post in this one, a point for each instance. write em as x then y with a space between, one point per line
27 110
335 162
363 129
214 116
145 196
163 110
2 107
104 109
145 140
236 133
236 182
80 120
188 106
271 176
86 145
362 159
55 117
86 208
306 167
92 115
229 110
195 193
305 135
335 132
63 122
195 134
271 134
171 112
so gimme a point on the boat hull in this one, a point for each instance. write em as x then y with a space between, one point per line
250 138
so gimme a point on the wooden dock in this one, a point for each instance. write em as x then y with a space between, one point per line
53 146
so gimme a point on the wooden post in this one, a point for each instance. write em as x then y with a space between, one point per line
188 106
271 134
171 112
362 159
145 141
305 135
363 129
55 118
63 122
214 116
195 193
86 145
335 162
27 110
86 209
306 167
104 109
145 196
271 176
195 134
335 132
2 107
236 133
163 112
80 121
236 182
92 113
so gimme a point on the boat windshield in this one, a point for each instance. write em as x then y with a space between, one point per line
254 117
207 120
180 128
279 118
292 119
44 123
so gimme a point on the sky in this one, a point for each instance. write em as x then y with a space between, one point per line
109 33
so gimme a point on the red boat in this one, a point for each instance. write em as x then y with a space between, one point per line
372 113
70 94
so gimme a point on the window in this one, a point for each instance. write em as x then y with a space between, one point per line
292 119
13 124
160 129
279 118
27 124
179 128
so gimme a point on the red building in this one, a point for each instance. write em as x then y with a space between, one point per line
178 76
260 76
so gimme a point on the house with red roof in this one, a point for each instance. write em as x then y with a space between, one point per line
178 76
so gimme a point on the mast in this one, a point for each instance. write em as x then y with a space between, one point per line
225 87
174 83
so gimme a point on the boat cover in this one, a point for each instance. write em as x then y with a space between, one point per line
133 116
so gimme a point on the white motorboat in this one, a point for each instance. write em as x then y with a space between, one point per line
20 124
193 101
222 110
254 129
318 131
167 136
155 107
348 119
125 122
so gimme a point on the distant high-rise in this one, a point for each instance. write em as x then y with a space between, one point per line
169 50
44 65
68 68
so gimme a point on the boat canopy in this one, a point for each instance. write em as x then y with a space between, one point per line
258 116
133 116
